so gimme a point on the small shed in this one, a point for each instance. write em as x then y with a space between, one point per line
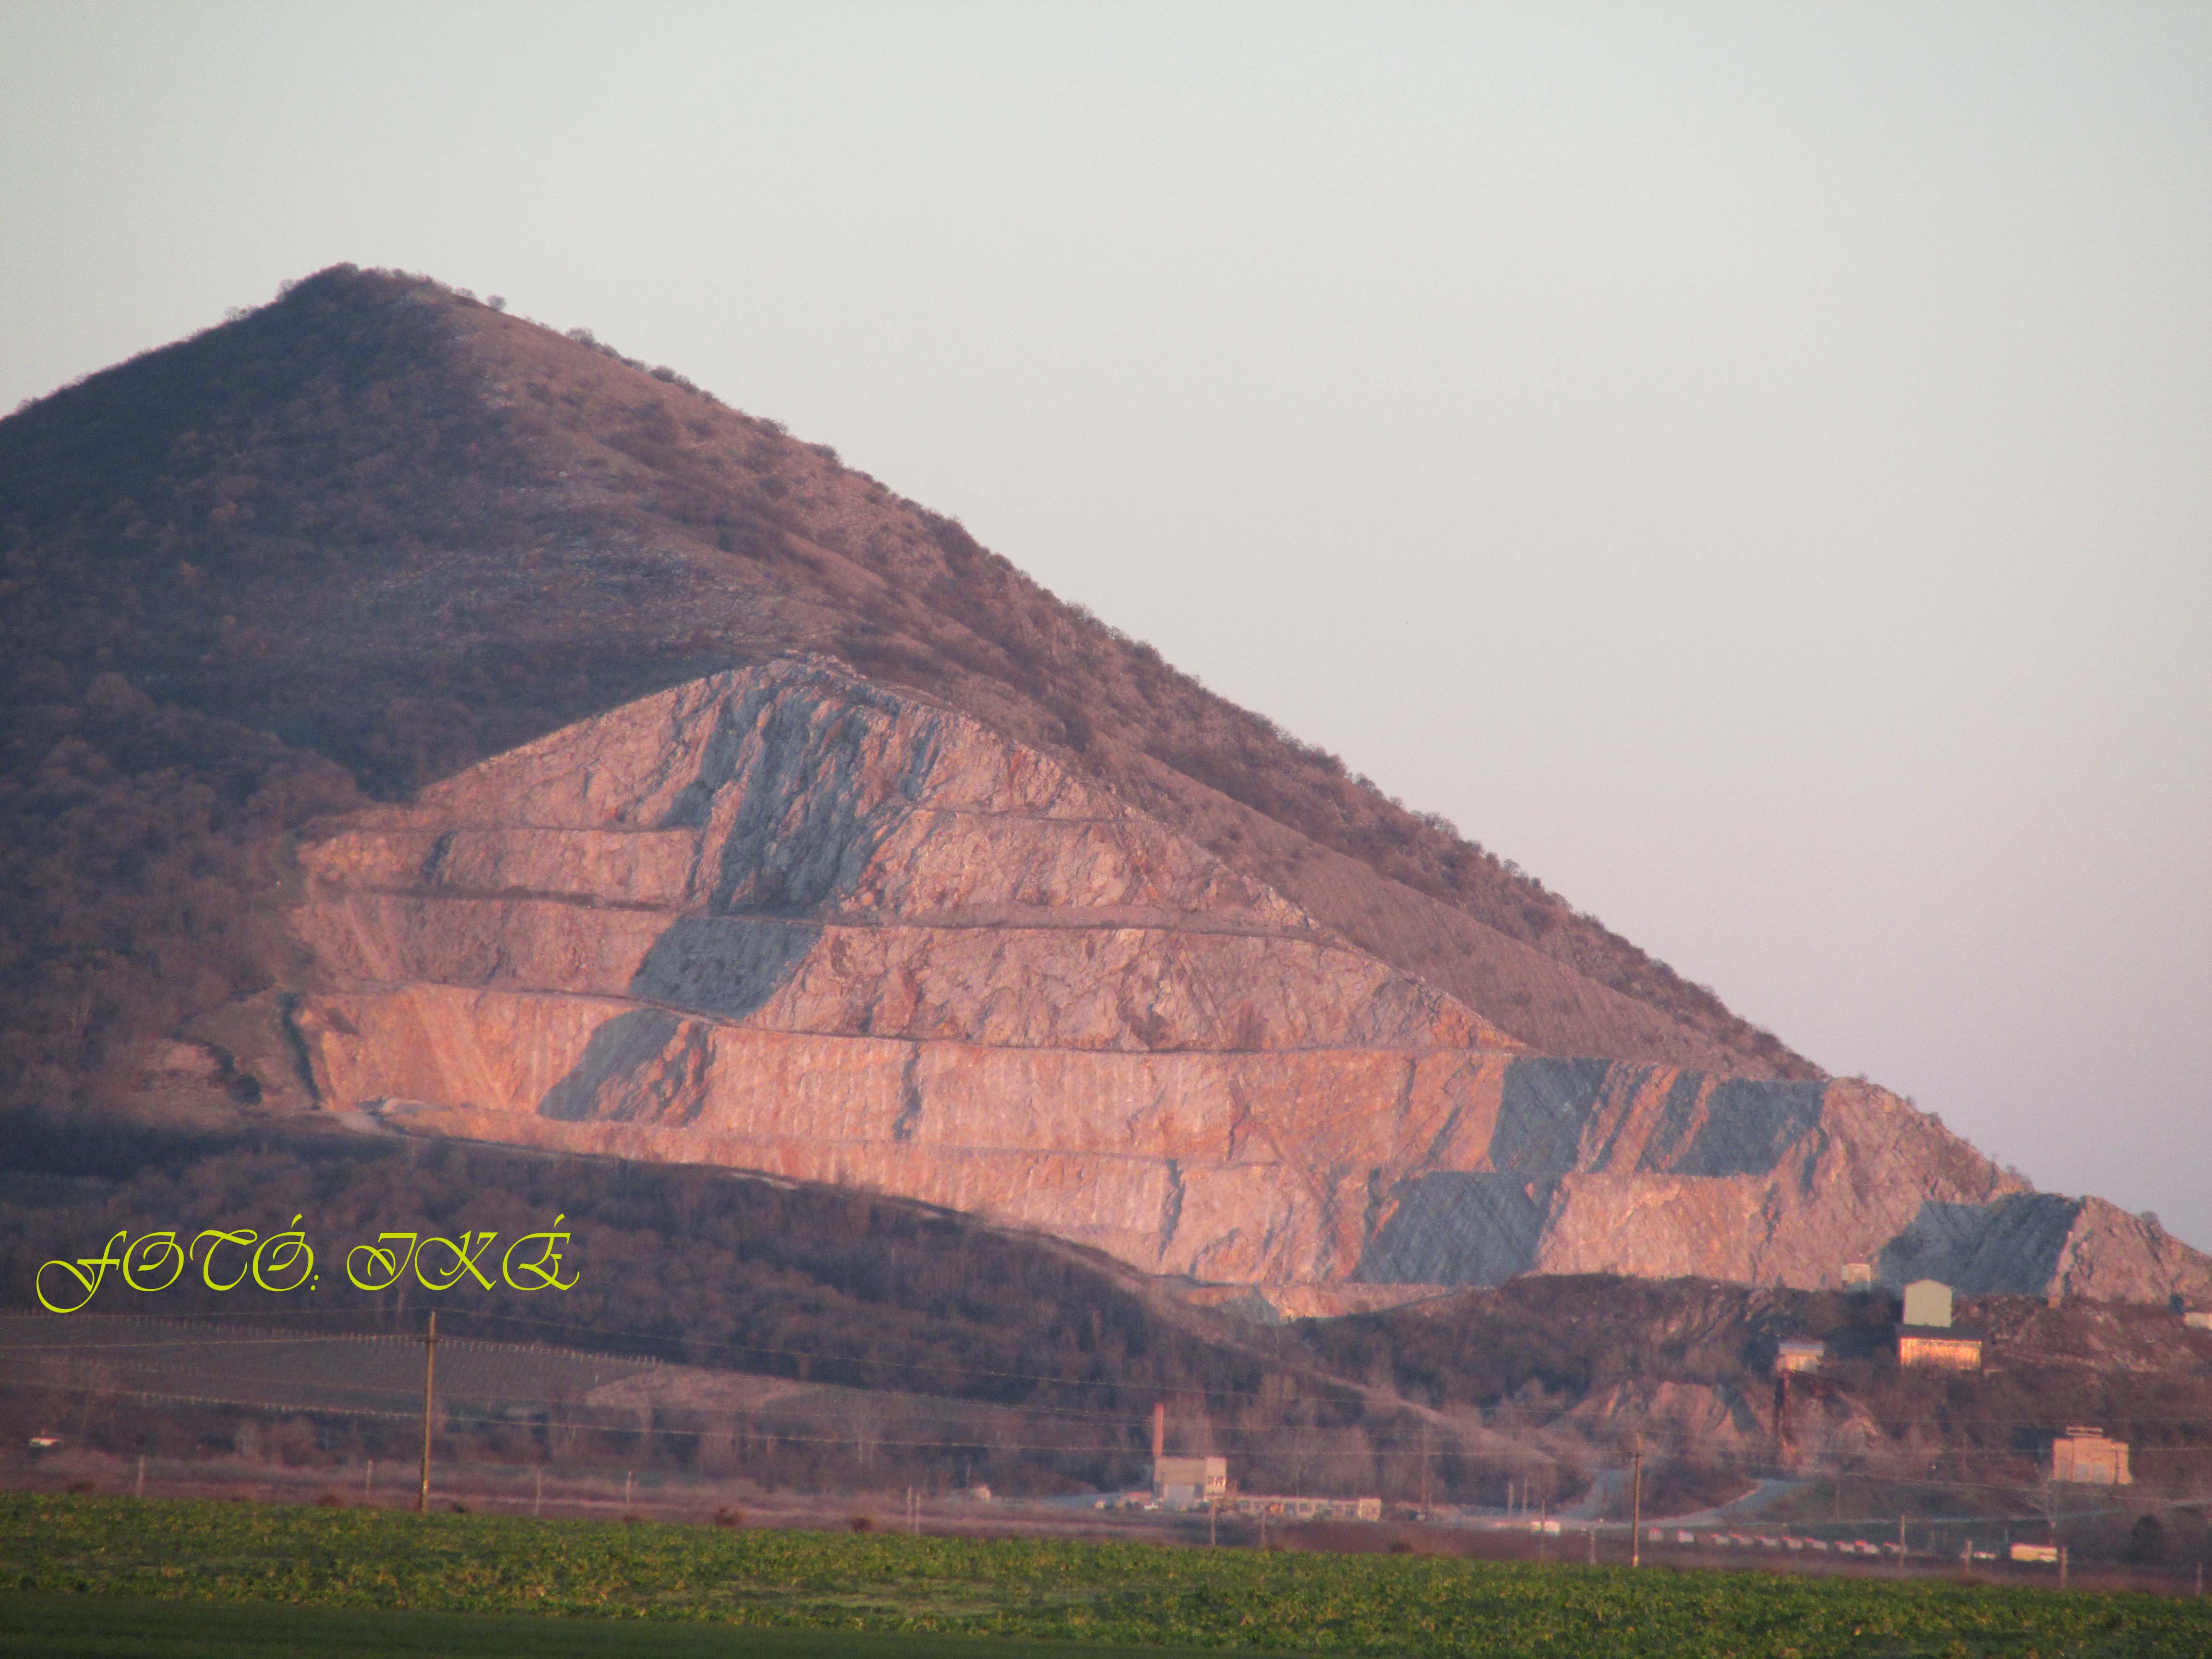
1928 1304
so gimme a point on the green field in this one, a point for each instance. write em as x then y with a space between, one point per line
127 1627
360 1563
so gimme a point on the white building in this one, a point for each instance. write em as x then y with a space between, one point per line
1189 1483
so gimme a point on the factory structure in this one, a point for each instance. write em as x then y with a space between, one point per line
1202 1483
2084 1457
1927 1336
1189 1483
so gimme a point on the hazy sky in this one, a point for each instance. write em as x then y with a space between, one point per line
1751 465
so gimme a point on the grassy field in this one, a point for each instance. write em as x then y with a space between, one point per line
362 1564
128 1627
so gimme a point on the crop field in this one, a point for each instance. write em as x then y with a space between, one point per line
1124 1594
131 1627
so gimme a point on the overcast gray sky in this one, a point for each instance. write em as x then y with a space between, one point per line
1751 465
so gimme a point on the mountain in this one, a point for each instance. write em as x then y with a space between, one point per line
414 705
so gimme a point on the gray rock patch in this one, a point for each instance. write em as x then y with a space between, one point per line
1455 1229
2009 1247
727 966
621 1049
1540 1117
1749 1123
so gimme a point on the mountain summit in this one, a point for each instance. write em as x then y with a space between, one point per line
416 705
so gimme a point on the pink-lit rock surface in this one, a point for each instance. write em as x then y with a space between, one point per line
785 920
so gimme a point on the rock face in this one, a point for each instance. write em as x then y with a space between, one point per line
786 919
1051 931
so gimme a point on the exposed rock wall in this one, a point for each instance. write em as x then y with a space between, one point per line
2032 1243
783 919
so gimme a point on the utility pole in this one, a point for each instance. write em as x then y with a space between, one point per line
1636 1505
1900 1547
537 1491
141 1477
368 1480
429 1372
1425 1517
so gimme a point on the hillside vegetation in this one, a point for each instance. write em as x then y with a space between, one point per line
1690 1362
358 539
1017 1360
697 1267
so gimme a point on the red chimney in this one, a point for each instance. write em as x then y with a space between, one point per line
1159 1430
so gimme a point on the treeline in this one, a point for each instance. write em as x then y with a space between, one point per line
687 1264
1064 1355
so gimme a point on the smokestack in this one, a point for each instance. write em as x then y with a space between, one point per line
1159 1430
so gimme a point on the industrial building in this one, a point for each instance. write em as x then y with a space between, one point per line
1202 1483
2083 1456
1184 1483
1189 1483
1927 1338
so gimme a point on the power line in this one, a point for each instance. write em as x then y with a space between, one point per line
1137 1386
757 1419
1674 1437
275 1336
